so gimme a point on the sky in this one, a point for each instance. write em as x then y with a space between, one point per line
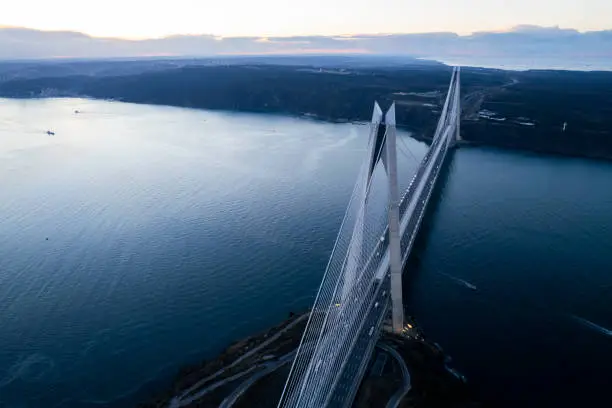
138 19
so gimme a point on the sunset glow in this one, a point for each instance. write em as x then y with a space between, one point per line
138 19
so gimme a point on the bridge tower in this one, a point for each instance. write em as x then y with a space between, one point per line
458 103
348 311
395 250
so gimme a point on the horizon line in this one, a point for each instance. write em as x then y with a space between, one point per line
515 28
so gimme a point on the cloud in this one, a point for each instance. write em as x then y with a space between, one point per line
521 41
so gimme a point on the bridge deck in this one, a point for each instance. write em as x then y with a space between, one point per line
414 203
337 349
412 210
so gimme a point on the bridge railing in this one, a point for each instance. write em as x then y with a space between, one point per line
354 295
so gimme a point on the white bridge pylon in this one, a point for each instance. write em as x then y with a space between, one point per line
364 274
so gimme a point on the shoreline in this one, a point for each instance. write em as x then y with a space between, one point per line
414 132
256 368
242 352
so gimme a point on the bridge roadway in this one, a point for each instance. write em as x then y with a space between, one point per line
414 201
412 210
350 329
376 305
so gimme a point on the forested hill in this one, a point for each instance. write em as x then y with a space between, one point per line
548 111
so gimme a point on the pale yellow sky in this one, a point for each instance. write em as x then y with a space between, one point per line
158 18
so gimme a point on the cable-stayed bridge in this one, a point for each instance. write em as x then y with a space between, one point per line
363 279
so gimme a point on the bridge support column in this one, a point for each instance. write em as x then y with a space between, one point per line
395 254
458 102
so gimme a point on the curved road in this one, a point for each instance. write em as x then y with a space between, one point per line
271 366
397 397
176 402
179 400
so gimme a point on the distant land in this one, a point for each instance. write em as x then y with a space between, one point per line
523 47
559 112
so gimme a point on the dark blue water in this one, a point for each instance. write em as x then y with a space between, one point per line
141 238
536 61
534 235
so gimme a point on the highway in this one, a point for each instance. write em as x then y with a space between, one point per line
175 402
348 383
407 386
414 203
350 327
416 209
372 304
415 199
180 400
259 371
268 368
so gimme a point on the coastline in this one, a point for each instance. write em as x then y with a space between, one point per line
232 377
415 133
557 112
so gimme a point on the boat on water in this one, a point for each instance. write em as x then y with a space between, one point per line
50 133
